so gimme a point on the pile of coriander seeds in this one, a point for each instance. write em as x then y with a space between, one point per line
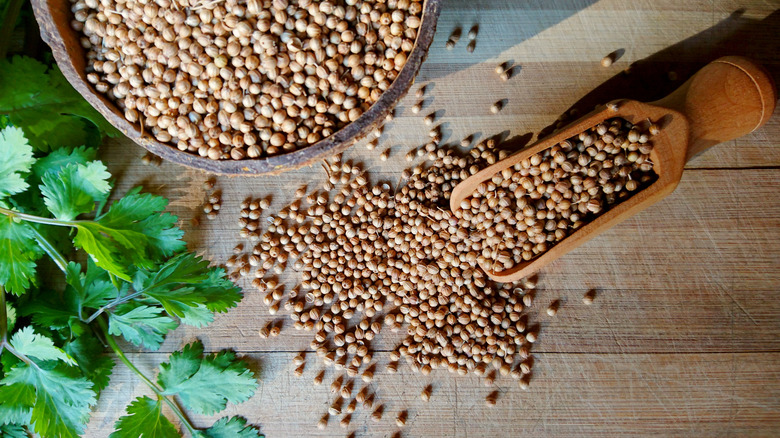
231 80
388 256
524 211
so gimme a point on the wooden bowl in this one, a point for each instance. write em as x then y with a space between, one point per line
54 18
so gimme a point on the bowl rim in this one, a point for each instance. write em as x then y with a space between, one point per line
52 34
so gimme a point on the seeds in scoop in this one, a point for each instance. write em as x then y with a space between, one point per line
425 395
400 420
587 299
552 309
555 192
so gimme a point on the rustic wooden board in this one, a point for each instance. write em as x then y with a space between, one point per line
570 395
684 335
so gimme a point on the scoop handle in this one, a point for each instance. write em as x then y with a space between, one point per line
726 99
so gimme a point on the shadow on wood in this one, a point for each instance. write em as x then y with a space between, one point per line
653 77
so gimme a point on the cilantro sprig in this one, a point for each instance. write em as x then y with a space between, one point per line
137 282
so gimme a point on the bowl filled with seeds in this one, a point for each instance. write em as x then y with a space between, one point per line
241 87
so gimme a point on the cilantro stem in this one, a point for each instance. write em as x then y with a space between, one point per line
47 246
3 319
37 219
157 390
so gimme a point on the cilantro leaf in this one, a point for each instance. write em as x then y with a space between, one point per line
234 427
91 358
16 402
13 431
187 288
61 157
141 325
75 189
144 420
18 254
192 377
52 113
31 344
133 231
16 160
62 398
93 289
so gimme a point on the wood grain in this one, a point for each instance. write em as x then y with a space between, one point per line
683 338
570 395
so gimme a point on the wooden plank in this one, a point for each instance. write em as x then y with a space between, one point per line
570 395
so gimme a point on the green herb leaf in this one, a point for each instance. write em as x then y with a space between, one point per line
31 344
75 189
60 158
144 420
62 398
134 231
16 402
16 160
189 289
18 254
141 325
234 427
13 431
92 359
192 377
93 289
41 101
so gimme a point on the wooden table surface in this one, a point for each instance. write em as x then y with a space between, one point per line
684 335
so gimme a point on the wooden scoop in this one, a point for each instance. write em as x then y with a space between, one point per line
726 99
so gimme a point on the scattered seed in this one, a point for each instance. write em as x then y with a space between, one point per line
471 46
319 377
425 395
385 154
473 32
496 107
377 414
417 107
323 423
491 399
552 309
400 420
344 423
589 296
607 60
